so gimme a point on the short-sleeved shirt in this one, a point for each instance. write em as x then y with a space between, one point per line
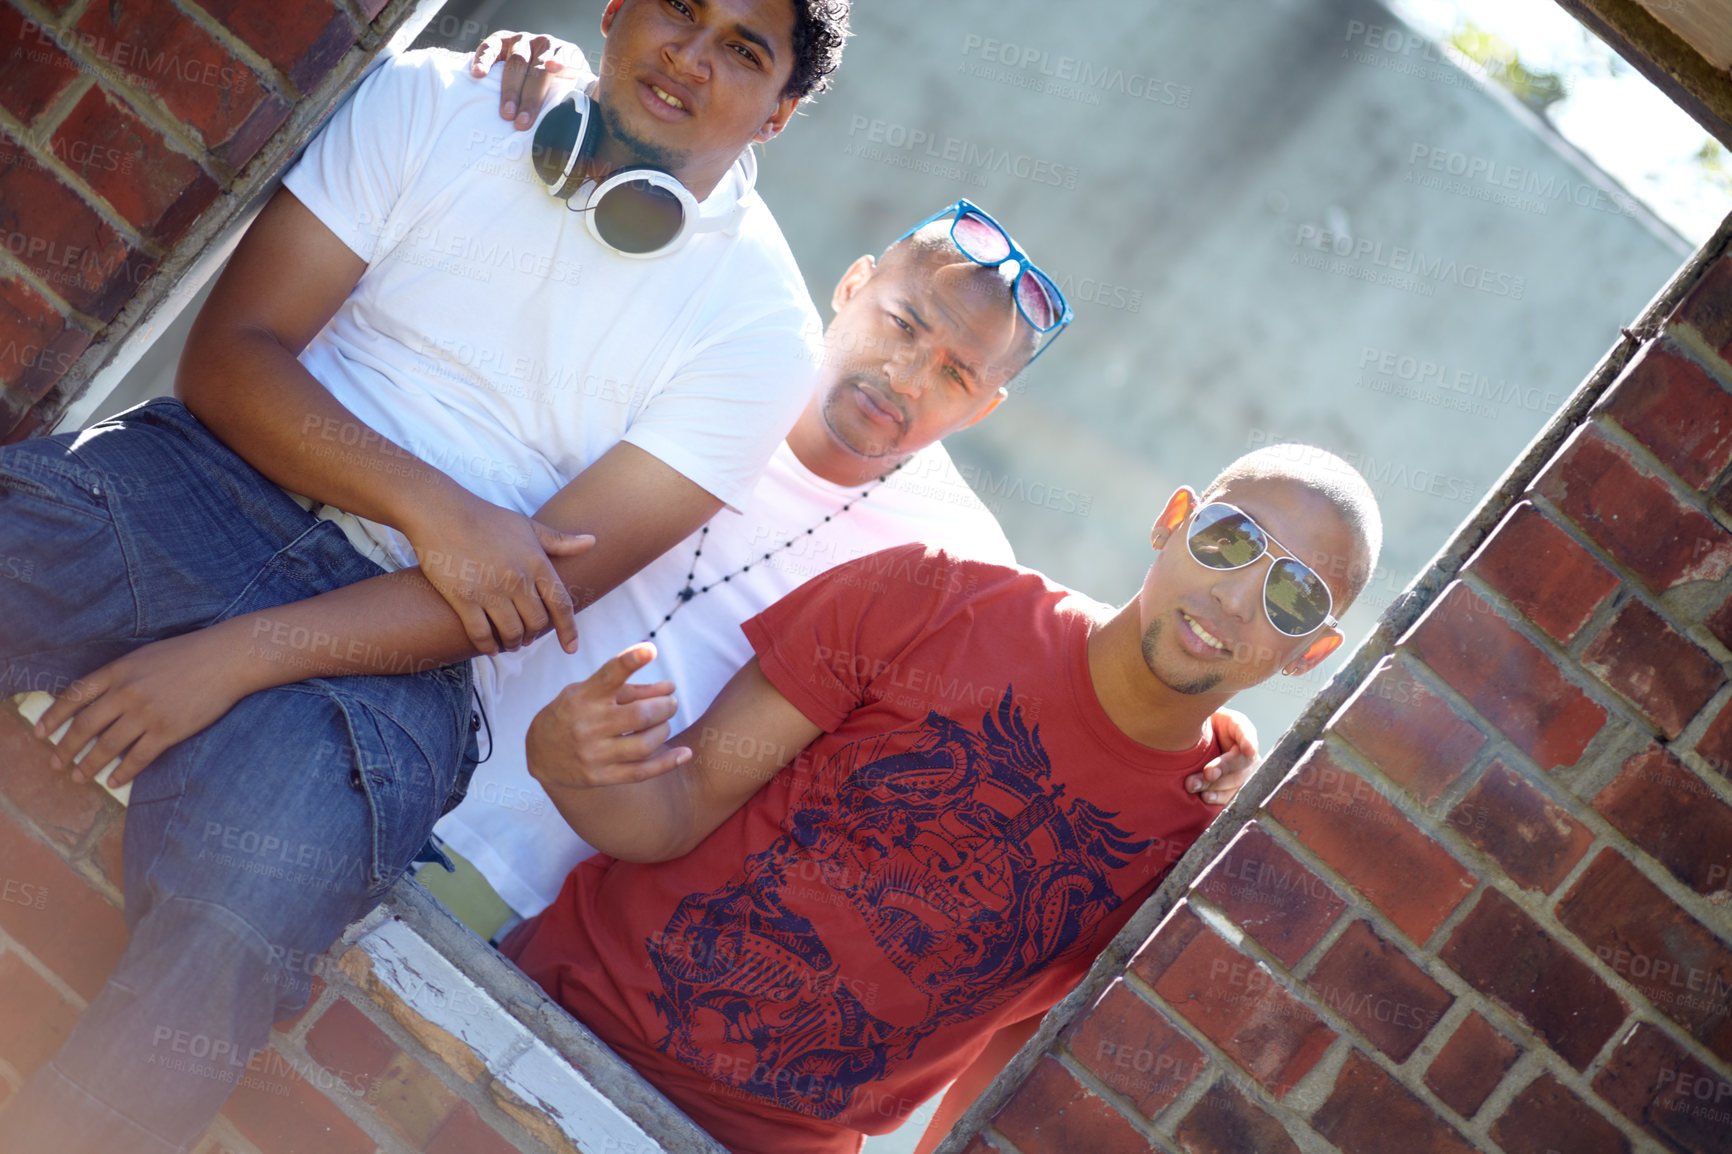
494 337
947 858
507 826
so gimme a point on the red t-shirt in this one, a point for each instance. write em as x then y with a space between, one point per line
947 858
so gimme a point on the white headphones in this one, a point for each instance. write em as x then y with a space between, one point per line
638 212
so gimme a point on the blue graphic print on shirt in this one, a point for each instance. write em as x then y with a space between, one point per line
959 856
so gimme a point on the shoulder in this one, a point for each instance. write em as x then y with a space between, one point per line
931 488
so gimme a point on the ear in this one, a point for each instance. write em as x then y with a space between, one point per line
1327 643
778 119
1179 506
997 400
609 14
858 274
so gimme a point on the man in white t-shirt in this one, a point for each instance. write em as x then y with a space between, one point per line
415 332
920 337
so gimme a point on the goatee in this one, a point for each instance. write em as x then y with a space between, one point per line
1203 684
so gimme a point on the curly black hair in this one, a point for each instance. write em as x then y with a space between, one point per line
820 29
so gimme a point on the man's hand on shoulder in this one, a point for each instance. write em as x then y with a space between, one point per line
530 60
1227 774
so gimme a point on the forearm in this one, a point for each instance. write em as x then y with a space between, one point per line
289 427
394 623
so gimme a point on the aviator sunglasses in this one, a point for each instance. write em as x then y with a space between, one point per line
983 240
1295 598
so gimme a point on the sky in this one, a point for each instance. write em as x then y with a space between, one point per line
1611 112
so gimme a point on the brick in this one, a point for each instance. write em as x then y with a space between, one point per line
63 811
1271 894
1368 1112
56 235
1540 569
37 344
1660 804
1667 676
53 913
1679 412
1224 1121
1176 931
1676 962
303 40
201 82
1375 986
1053 1112
279 1111
412 1099
1470 1065
1667 1092
1708 308
1534 840
1617 502
1715 744
1546 1116
1409 732
36 71
464 1132
346 1039
1506 677
1239 1006
34 1017
1720 623
1129 1046
1346 821
1504 954
158 190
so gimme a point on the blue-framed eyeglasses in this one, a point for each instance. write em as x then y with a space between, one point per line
983 240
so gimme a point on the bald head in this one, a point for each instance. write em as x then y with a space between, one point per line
1336 483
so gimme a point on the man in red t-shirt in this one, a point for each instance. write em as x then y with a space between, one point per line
905 830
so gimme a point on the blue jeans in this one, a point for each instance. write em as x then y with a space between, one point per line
249 847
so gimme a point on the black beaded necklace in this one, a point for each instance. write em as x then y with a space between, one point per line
689 593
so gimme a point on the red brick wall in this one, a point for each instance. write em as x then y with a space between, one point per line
120 123
1490 906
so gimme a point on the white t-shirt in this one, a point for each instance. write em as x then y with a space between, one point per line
493 337
507 826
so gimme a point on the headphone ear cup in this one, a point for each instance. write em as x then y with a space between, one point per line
559 141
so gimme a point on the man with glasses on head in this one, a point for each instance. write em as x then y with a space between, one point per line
925 341
907 826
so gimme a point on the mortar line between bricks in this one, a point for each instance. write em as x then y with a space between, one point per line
1685 746
1627 581
37 134
1695 345
1573 672
1534 901
1247 1084
79 869
1428 964
11 266
11 945
1545 917
1086 1078
147 105
240 49
1646 460
92 199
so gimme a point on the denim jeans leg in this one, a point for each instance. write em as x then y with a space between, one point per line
248 848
